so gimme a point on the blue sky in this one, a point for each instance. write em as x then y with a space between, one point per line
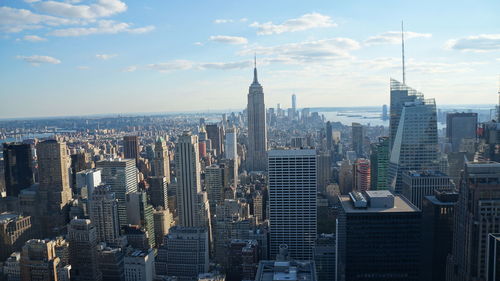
71 57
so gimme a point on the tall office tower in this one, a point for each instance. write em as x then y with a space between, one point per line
18 167
379 236
379 161
79 162
110 262
187 165
139 265
82 237
86 181
184 253
231 143
324 171
329 136
362 175
158 191
15 230
39 261
163 220
121 175
54 190
437 218
294 103
258 206
358 139
477 214
416 143
459 127
214 184
243 259
346 177
12 267
324 257
139 212
292 201
384 112
215 133
400 94
131 147
103 212
161 163
257 131
493 263
418 184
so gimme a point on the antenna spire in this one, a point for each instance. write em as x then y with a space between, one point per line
403 51
255 68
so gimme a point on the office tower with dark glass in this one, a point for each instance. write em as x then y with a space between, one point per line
493 266
477 215
18 165
459 127
131 147
416 144
358 139
379 161
257 131
215 133
292 201
121 176
378 238
329 135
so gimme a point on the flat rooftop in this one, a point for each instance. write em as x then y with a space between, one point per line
400 204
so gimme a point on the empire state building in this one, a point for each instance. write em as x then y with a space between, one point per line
257 132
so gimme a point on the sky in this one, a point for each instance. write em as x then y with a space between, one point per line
78 57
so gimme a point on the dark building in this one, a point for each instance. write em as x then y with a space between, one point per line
158 192
460 126
418 184
437 215
131 148
216 134
493 266
111 263
378 238
329 136
82 237
18 165
243 260
324 257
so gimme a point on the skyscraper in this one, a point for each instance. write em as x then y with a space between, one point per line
158 192
378 238
140 213
139 265
82 238
493 266
39 261
15 230
18 166
215 133
161 163
214 184
54 190
231 144
477 215
362 175
103 212
460 126
379 161
121 175
329 136
257 131
131 147
416 144
418 184
358 139
292 201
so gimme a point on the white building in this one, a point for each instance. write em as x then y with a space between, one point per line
139 265
87 180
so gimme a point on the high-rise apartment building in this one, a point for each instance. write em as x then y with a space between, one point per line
82 237
418 184
18 167
477 214
379 161
379 236
292 201
362 176
416 144
121 176
358 139
257 131
131 148
459 127
160 167
103 212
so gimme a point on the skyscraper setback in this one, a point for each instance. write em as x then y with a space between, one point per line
257 131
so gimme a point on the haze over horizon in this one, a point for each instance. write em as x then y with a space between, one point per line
66 58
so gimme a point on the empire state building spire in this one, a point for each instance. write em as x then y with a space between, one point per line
255 81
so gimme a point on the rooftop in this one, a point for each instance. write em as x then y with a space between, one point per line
401 205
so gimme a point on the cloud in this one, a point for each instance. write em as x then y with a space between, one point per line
36 60
102 8
83 67
198 44
226 65
16 20
103 27
228 39
479 43
33 38
105 56
394 37
192 65
131 68
307 51
219 21
171 65
304 22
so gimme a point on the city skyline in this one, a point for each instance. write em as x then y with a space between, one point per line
127 57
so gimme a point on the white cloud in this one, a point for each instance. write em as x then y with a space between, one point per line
304 22
228 39
171 65
226 65
17 20
36 60
103 27
394 37
105 56
102 8
219 21
131 68
83 67
479 43
33 38
198 44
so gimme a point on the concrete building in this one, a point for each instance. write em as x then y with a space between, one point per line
271 270
362 176
418 184
214 185
382 221
158 191
86 181
140 213
243 259
38 261
103 212
12 267
131 148
160 167
493 262
111 263
358 139
215 133
139 265
15 230
82 238
292 201
163 220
